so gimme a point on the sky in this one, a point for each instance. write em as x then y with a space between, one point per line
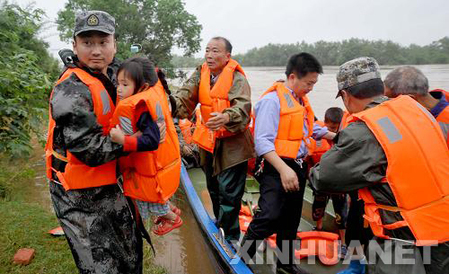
255 23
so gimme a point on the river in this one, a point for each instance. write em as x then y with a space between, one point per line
323 94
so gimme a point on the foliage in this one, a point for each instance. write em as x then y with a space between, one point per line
336 53
186 61
158 26
26 72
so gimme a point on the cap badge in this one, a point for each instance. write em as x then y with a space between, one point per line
92 20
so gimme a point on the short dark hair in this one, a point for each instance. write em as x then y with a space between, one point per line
141 70
367 89
333 115
228 44
303 63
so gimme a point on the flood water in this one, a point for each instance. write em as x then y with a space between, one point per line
322 96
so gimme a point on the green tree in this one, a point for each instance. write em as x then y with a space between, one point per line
158 25
336 53
26 71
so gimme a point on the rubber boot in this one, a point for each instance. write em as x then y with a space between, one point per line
355 267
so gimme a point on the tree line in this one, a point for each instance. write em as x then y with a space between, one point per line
336 53
27 72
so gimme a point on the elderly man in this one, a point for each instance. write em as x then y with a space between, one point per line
81 159
411 81
226 144
389 153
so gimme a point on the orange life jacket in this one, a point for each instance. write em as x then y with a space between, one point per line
186 129
214 100
413 143
78 175
318 148
291 124
151 176
344 120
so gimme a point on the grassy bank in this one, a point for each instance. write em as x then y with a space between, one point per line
26 216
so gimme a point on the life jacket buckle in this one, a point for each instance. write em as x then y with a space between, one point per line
120 183
260 169
299 161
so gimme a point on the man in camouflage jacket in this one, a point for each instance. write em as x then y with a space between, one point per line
97 221
226 168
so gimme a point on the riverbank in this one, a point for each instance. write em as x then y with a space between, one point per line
26 215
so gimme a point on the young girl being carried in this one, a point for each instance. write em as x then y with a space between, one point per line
142 122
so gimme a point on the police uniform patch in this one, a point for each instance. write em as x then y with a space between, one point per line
92 20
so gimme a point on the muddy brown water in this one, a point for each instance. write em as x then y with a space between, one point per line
323 95
184 250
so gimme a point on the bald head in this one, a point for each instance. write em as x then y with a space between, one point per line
406 80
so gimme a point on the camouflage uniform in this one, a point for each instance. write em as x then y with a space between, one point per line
97 222
359 160
231 151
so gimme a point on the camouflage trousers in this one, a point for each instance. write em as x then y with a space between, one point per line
99 228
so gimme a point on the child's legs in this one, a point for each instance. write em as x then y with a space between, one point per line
340 204
159 210
318 209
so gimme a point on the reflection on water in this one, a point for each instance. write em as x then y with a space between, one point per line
184 250
323 95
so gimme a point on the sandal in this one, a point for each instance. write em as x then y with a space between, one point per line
175 210
166 226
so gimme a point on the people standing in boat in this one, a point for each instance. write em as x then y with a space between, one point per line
189 150
220 87
332 120
152 170
284 122
81 158
411 81
384 153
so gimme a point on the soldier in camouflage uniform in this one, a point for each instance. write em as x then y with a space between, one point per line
360 162
97 221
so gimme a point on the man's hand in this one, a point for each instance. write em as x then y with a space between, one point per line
186 150
217 121
289 179
117 135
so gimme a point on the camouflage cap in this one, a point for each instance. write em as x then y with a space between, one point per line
357 71
94 20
